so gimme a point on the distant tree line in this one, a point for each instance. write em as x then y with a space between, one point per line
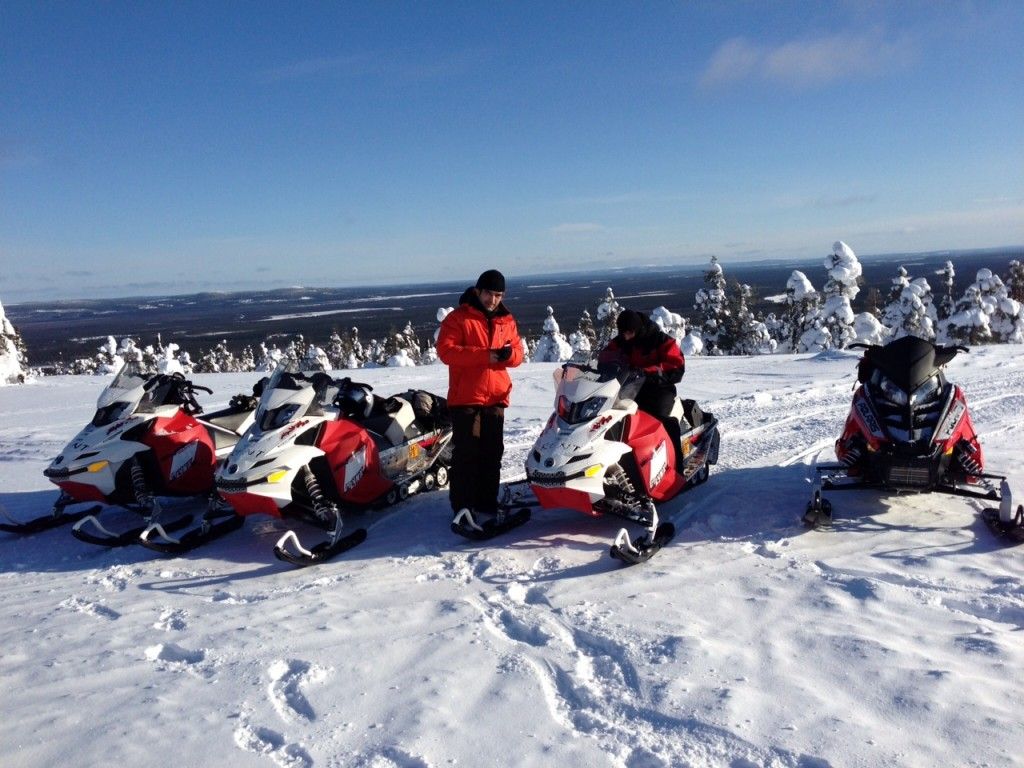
991 310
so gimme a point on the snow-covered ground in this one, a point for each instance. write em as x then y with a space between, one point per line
895 639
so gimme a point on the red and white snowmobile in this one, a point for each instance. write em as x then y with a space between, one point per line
910 430
321 446
146 440
600 454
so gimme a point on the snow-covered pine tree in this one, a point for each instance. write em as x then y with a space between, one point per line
802 307
946 304
552 346
267 358
224 358
167 361
13 361
356 353
670 322
713 311
296 350
970 322
247 359
107 361
1014 281
844 271
868 329
316 359
892 313
583 339
749 335
912 317
607 313
336 351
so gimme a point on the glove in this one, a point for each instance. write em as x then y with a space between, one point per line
503 353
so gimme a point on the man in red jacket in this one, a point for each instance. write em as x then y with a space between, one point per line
478 342
642 344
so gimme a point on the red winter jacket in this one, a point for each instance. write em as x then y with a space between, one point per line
651 349
464 344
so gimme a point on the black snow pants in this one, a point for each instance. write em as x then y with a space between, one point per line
658 399
478 443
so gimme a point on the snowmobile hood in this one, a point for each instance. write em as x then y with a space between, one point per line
909 361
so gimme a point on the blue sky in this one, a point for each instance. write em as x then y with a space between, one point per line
151 148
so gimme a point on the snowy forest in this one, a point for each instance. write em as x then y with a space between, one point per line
991 310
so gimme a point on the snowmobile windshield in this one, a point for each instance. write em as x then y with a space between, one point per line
286 376
132 375
908 362
272 413
121 395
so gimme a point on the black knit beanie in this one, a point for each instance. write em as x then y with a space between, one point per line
628 320
491 280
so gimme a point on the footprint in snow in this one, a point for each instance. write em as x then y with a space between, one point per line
93 609
264 741
287 679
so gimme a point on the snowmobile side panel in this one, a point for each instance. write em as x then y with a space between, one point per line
184 452
354 461
654 455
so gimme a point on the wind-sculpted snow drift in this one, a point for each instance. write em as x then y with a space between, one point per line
892 639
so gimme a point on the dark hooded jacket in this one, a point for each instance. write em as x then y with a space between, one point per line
464 344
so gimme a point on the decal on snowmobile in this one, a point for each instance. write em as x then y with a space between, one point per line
659 463
951 422
183 459
866 415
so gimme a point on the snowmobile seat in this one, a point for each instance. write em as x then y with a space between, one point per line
694 415
391 421
229 418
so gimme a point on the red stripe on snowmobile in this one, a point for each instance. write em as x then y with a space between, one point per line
81 491
251 504
564 498
184 452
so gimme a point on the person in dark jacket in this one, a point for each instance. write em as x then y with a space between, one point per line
479 342
641 344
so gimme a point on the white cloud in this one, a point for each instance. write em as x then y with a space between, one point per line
806 63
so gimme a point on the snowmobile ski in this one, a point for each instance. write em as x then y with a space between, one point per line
1012 532
643 549
55 519
477 529
321 553
209 530
819 511
108 538
1004 522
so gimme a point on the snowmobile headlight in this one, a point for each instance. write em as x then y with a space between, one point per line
592 470
926 391
892 393
277 476
98 466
